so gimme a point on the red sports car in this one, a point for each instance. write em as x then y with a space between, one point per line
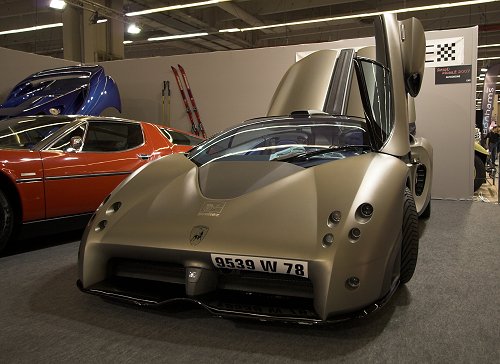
58 169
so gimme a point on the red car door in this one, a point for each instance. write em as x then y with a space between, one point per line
76 181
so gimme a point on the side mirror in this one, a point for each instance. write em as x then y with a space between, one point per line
75 143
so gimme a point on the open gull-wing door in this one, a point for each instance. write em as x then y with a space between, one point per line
306 84
322 81
400 46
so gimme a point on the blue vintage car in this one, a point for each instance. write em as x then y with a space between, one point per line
72 90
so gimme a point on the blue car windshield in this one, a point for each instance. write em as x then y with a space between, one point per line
285 139
26 132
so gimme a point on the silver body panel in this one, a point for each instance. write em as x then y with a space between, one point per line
248 225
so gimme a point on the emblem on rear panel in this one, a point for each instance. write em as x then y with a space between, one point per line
198 233
212 208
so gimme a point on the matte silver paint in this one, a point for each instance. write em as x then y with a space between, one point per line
249 226
274 209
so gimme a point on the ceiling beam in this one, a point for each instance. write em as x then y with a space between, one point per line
243 15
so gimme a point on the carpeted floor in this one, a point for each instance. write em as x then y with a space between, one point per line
448 313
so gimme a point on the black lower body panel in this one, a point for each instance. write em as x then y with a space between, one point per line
224 303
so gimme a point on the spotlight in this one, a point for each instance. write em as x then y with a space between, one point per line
133 29
57 4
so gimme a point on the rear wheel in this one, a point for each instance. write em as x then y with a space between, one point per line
6 220
409 244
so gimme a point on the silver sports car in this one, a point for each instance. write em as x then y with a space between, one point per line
307 216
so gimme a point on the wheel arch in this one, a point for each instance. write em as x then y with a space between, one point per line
11 192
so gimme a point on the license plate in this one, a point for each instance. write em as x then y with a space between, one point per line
261 264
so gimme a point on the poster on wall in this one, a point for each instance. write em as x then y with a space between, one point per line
444 52
453 74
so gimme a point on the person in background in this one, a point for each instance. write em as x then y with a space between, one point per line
493 139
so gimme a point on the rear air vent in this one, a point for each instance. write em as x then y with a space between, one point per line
306 113
421 175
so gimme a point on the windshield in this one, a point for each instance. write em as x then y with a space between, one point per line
283 138
53 85
25 133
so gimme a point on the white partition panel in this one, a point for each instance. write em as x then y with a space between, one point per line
232 86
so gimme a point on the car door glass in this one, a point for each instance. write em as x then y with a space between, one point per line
112 136
65 141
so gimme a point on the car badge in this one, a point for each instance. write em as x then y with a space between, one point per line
54 111
211 208
198 233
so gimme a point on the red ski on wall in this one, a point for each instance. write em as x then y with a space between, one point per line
197 129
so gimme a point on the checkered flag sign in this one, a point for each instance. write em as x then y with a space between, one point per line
444 52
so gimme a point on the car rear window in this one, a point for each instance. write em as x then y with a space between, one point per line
180 138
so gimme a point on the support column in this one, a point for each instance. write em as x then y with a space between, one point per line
85 41
72 29
116 31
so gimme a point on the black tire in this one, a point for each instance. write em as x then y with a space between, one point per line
6 221
427 212
409 244
479 172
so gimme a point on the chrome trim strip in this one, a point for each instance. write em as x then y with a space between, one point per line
90 175
58 218
29 180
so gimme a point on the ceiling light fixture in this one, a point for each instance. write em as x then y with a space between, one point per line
174 7
133 29
57 4
484 58
365 15
127 41
230 30
178 36
489 45
30 29
99 21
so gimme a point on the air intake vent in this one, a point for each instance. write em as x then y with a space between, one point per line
420 179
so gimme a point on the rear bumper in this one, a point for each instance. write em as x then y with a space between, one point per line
224 303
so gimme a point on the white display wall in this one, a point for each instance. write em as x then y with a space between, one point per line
232 86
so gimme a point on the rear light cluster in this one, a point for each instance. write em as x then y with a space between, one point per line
363 214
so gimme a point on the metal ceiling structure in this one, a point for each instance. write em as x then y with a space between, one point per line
242 15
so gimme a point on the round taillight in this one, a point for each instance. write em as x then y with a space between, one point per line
366 210
355 233
327 240
352 282
335 217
